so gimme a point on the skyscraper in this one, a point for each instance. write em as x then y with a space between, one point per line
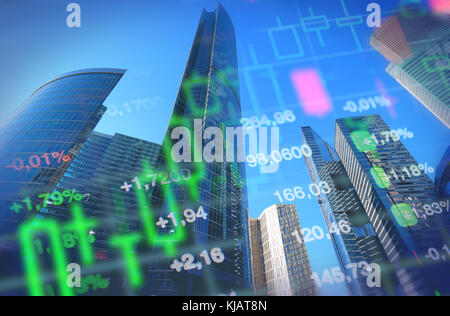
209 92
400 201
56 119
443 175
108 172
38 142
285 260
340 204
419 50
103 171
257 258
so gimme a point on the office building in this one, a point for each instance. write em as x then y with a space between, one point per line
38 140
340 204
419 51
443 175
103 172
400 201
107 172
37 144
257 258
285 260
209 92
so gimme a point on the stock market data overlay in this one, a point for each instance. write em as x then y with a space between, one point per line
235 148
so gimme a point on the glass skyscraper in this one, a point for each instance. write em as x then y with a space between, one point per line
103 172
419 50
257 258
342 204
99 172
400 201
209 92
443 175
57 118
38 142
282 265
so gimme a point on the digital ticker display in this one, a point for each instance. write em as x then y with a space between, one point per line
242 148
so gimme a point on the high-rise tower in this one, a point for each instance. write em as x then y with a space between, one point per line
400 201
38 143
282 265
208 97
442 180
417 45
56 119
108 172
340 205
257 254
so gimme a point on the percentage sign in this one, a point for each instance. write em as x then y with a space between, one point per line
101 283
382 101
72 195
92 280
97 281
444 204
402 132
386 101
409 134
61 156
405 133
426 168
58 155
422 168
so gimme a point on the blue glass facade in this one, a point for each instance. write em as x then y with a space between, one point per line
210 92
342 204
403 207
443 175
99 172
418 50
38 141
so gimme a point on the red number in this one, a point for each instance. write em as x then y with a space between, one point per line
37 161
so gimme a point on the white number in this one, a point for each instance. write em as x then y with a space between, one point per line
306 232
290 117
288 195
201 213
252 161
279 155
188 260
189 215
344 227
364 266
338 275
320 233
217 255
286 154
351 106
307 152
326 188
298 191
315 192
296 152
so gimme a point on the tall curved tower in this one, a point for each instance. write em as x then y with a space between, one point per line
39 140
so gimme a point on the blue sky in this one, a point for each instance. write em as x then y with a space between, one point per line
152 39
